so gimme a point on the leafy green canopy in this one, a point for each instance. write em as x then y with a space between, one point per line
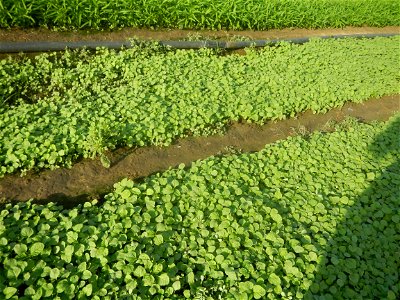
212 14
83 104
303 217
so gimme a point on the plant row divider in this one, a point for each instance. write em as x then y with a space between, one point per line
46 46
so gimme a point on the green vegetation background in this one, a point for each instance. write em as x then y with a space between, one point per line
190 14
309 217
56 109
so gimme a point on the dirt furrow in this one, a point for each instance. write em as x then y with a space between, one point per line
88 178
42 34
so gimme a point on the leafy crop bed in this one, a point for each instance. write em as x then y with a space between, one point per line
213 14
56 109
303 217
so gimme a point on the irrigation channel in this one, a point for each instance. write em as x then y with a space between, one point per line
41 40
46 46
88 179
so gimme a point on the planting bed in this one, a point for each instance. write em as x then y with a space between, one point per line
58 109
303 217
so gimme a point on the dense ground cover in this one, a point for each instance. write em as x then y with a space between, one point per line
56 109
307 216
212 14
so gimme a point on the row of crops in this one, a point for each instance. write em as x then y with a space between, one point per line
58 108
212 14
306 217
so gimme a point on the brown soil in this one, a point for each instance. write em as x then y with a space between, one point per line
89 179
42 34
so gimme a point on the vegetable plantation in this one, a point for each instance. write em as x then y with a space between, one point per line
312 217
315 215
211 14
56 109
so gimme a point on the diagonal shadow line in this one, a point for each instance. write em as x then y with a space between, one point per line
362 259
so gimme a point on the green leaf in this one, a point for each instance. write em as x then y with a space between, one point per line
246 287
54 273
396 219
219 258
131 285
20 249
158 239
82 266
157 268
3 241
148 280
139 271
125 194
176 285
86 275
274 279
152 290
13 272
276 216
370 176
47 289
163 279
105 161
102 292
258 291
298 249
190 278
354 278
87 290
351 263
231 274
314 288
27 232
62 286
320 208
9 292
29 291
36 248
312 256
391 295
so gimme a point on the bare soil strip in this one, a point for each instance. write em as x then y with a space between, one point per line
42 34
88 178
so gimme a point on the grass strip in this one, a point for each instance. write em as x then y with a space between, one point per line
192 14
306 217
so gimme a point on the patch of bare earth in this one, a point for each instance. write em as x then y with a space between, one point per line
88 179
42 34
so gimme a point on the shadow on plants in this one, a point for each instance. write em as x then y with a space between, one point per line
362 259
66 201
62 199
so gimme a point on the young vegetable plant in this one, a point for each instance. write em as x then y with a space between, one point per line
301 219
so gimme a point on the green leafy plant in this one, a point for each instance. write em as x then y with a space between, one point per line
212 14
79 105
301 219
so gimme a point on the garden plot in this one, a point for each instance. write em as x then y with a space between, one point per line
314 214
56 110
304 217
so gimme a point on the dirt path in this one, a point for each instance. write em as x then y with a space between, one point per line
88 178
42 34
